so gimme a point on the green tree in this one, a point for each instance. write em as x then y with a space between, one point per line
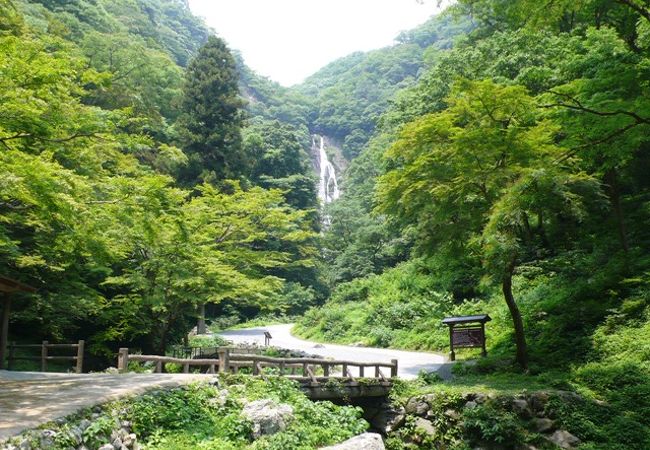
212 116
210 249
449 175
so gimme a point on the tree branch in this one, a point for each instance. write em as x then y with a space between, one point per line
578 106
602 140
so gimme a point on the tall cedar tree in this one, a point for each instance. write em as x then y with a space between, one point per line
212 116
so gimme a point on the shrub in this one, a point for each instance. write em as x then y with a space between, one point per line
488 424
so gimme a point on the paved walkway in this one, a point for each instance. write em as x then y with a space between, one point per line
409 363
29 399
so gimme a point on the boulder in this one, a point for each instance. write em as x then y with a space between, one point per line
471 404
538 401
521 407
452 414
117 443
416 406
128 440
425 426
47 439
388 419
542 424
76 434
106 447
564 439
267 416
365 441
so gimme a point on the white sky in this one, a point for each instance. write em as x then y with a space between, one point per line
288 40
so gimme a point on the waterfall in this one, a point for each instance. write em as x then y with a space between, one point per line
328 189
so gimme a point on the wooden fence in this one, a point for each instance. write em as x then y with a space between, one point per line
45 355
229 361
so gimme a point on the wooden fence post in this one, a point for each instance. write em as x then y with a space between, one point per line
80 356
123 360
361 371
224 359
393 369
44 356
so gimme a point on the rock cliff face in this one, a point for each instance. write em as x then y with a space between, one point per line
328 187
329 165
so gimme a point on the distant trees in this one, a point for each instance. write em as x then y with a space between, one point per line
212 117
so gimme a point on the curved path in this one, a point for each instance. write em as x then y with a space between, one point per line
409 363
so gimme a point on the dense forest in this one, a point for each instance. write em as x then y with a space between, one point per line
136 187
496 161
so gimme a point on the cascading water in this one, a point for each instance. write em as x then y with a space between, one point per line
328 188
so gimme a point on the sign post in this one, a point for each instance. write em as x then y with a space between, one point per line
466 332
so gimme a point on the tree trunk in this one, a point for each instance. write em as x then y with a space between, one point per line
520 336
200 326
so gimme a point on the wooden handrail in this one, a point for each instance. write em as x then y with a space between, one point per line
45 356
232 362
331 362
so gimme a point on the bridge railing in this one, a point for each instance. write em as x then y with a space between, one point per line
313 369
45 355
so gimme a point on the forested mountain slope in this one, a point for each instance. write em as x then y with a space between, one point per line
349 95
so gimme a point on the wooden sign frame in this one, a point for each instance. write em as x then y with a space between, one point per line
466 332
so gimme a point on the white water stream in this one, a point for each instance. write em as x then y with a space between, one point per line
328 188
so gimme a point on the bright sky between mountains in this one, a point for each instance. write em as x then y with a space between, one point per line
288 40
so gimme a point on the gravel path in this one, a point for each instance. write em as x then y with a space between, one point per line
409 363
29 399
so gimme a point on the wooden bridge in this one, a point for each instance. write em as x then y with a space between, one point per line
319 378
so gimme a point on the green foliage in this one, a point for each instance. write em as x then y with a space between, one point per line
205 340
485 423
209 417
351 93
212 117
90 209
196 417
403 308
